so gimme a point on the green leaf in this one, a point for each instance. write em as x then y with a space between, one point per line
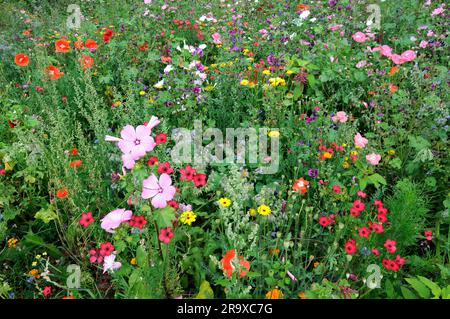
164 216
435 289
396 163
423 291
46 214
408 294
141 257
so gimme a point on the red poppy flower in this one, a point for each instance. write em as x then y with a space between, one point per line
152 161
199 180
86 61
91 44
161 138
300 185
382 210
228 267
375 252
354 212
75 163
78 44
107 35
74 151
393 265
62 46
378 202
400 260
62 193
187 173
385 263
86 219
54 73
21 59
164 168
106 249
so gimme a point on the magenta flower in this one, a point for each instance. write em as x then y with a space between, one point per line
113 219
160 191
165 234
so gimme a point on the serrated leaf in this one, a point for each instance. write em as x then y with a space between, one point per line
46 214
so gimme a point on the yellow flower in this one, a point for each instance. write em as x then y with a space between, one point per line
214 65
277 81
44 253
252 211
266 72
33 272
244 82
264 210
274 134
289 72
209 88
205 68
188 217
142 93
38 257
274 294
246 51
344 145
345 165
316 264
34 264
225 202
391 152
133 261
12 242
222 65
327 155
353 153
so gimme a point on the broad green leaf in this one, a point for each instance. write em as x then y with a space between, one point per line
435 289
421 289
408 294
164 216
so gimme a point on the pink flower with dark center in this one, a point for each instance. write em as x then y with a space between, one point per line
187 173
165 234
160 191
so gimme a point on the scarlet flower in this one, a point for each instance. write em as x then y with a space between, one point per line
375 252
393 265
228 266
324 221
161 138
73 151
382 210
358 205
164 168
336 189
62 193
95 256
47 291
75 163
86 61
173 203
187 174
21 59
382 218
354 212
62 46
138 221
385 263
152 161
166 59
393 88
301 185
91 44
107 35
393 70
54 73
350 247
143 47
361 194
165 234
428 234
378 202
2 171
199 180
400 260
390 246
378 228
364 232
106 249
86 219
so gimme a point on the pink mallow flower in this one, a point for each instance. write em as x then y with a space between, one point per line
373 158
160 191
216 38
113 219
135 143
360 141
359 37
340 116
110 263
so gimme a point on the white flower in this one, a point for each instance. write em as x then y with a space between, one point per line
159 85
168 68
304 14
110 263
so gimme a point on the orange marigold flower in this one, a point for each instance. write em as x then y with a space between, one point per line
62 193
21 59
62 46
275 293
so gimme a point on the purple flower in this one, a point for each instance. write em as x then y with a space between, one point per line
313 172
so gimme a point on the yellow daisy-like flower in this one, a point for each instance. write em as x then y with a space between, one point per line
277 81
133 261
225 202
244 82
188 217
345 165
353 153
274 294
391 152
252 212
264 210
214 65
141 93
12 242
327 155
274 134
266 72
289 72
34 264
